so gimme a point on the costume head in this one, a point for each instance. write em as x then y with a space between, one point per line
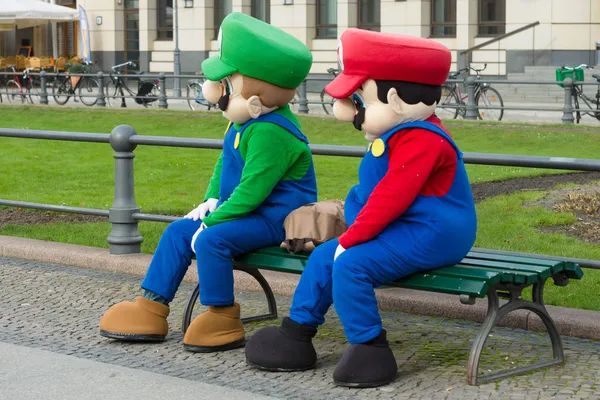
387 79
257 70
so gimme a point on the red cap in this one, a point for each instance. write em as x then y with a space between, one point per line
384 56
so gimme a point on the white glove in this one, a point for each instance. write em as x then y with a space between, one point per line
200 212
202 227
338 251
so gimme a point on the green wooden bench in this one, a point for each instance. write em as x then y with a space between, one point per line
479 275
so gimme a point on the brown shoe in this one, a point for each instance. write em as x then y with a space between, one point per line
140 321
218 329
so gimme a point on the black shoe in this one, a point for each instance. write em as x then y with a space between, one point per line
367 364
283 349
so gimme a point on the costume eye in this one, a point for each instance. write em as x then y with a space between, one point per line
227 85
358 101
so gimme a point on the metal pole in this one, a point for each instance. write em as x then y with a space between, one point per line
302 100
471 112
54 38
177 69
124 237
567 117
162 95
43 91
101 101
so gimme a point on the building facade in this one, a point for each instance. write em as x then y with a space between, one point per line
143 30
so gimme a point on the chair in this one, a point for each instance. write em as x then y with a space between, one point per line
21 63
33 62
60 64
11 61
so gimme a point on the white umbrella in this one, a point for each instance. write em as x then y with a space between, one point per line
17 14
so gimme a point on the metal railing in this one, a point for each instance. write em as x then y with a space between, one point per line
124 214
469 107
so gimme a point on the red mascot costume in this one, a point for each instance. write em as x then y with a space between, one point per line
411 211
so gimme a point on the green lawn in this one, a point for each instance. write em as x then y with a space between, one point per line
172 181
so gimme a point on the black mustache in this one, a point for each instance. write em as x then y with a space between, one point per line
223 102
359 118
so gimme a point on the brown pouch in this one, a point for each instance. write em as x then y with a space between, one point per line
313 224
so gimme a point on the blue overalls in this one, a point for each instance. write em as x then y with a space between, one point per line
217 244
433 232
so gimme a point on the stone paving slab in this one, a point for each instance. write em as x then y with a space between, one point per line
57 308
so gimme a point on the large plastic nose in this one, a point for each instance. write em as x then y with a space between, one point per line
344 110
212 91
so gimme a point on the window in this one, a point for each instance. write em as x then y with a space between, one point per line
443 18
326 19
222 8
261 9
492 17
164 13
369 15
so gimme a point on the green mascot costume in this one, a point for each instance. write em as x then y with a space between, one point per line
264 172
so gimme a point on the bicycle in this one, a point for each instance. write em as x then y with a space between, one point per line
22 87
454 103
195 98
63 87
326 100
576 74
148 89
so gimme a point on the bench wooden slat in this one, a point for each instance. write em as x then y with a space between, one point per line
459 271
544 272
522 260
444 284
509 276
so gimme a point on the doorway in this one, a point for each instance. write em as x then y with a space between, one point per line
132 33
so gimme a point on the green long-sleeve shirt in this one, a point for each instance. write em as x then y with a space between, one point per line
271 154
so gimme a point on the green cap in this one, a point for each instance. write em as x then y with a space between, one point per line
258 50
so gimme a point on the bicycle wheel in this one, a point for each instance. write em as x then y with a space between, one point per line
489 97
14 94
61 91
114 95
195 98
449 104
34 90
88 91
327 102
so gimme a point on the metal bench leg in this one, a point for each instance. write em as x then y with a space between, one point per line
495 313
272 314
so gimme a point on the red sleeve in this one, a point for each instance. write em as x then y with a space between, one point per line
414 157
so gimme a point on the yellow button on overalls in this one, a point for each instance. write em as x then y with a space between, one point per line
236 143
378 148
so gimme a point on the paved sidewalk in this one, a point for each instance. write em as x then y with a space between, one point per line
56 308
32 374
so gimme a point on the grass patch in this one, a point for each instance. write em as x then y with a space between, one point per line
172 180
505 224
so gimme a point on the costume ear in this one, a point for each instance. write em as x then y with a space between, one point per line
255 107
395 101
212 91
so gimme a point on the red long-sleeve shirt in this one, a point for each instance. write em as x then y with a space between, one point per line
421 162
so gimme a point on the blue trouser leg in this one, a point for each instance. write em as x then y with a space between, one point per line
172 258
356 274
313 297
218 244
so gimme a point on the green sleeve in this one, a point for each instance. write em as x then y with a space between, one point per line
269 152
213 186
